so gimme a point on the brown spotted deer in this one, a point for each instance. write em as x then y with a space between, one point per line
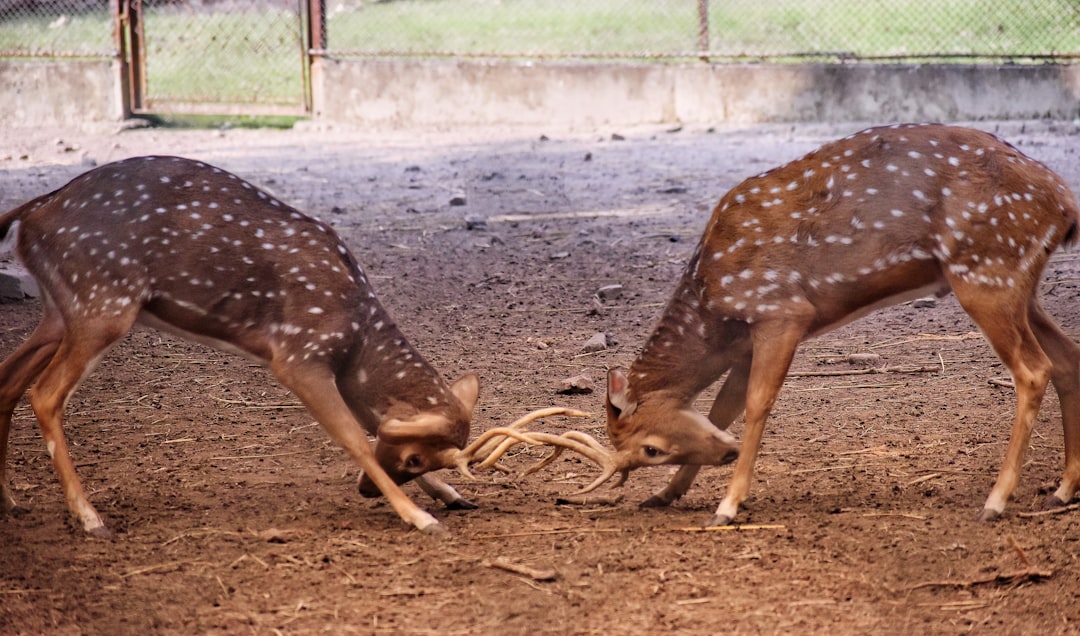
883 216
187 248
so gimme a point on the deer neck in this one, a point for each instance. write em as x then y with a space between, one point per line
387 378
689 349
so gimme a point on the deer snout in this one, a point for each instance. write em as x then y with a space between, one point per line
368 488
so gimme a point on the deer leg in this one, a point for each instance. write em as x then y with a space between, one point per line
774 348
1065 374
728 405
316 387
79 353
1010 335
439 490
17 373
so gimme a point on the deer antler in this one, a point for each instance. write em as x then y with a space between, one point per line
486 451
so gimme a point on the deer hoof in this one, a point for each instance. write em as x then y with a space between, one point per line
718 520
1052 502
989 514
99 532
434 528
13 510
656 501
461 504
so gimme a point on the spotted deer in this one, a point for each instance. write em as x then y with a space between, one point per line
195 251
878 218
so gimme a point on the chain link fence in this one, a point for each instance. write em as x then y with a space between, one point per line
715 30
56 28
232 51
718 30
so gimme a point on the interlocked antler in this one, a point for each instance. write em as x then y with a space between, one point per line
486 451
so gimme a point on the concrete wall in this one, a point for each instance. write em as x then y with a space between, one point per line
81 93
408 92
67 93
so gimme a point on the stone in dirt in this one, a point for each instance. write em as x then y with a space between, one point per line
576 385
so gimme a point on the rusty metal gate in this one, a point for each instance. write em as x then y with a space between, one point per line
216 56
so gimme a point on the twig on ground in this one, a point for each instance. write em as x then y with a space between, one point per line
927 337
905 515
920 480
585 500
733 528
826 469
1019 551
524 570
248 404
871 371
540 533
1010 578
301 452
1052 511
1008 384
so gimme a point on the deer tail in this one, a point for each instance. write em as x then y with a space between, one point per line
9 218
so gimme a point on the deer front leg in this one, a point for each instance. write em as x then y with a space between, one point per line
728 405
774 348
439 490
316 387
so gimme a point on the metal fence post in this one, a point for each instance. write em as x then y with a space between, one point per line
703 29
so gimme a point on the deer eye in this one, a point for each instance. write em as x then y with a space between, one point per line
414 462
651 451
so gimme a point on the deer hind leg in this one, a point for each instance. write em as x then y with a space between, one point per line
729 404
17 373
80 350
439 490
774 348
1004 320
1065 374
316 387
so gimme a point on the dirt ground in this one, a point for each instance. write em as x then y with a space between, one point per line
233 513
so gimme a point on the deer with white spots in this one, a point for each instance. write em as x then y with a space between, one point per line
195 251
886 215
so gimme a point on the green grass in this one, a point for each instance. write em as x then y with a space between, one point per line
236 57
88 34
526 26
254 56
736 27
181 122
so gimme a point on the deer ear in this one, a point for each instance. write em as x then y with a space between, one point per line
465 389
618 394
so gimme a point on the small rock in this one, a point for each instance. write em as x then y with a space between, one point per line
475 222
617 137
598 342
577 385
559 255
16 283
869 359
924 303
609 292
588 156
457 200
